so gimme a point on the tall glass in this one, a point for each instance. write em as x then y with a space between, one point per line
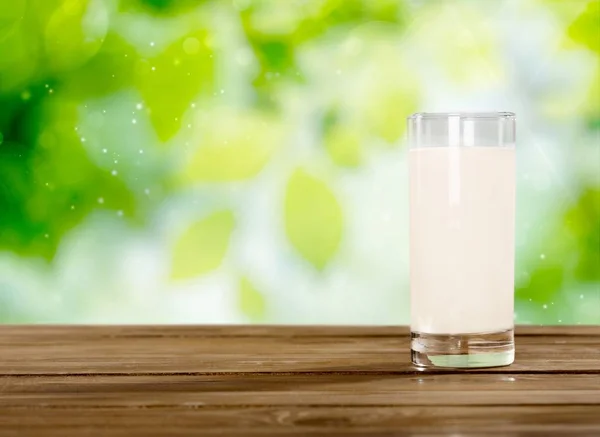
462 223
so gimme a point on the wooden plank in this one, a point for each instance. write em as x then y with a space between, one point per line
155 381
348 390
43 353
85 332
546 420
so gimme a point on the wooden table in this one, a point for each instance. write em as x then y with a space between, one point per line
249 380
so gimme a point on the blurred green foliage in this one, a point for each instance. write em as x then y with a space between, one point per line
343 141
585 30
313 218
585 27
251 301
202 247
169 81
158 7
276 29
583 221
215 92
236 146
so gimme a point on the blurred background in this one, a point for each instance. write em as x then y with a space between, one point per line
180 161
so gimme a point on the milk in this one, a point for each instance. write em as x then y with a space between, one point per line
462 207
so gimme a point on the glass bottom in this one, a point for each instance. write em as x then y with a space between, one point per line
488 349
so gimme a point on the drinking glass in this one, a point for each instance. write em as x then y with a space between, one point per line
462 225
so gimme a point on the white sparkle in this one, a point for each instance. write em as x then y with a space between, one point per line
139 106
581 296
559 321
189 126
82 139
193 105
120 213
104 151
141 152
152 44
542 256
545 306
100 200
147 191
222 91
104 111
114 172
153 68
116 161
134 121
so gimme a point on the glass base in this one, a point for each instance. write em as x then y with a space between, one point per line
489 349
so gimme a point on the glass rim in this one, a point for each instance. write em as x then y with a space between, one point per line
462 115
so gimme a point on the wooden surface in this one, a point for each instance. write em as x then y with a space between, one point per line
185 380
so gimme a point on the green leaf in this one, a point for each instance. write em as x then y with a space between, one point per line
586 27
583 220
343 144
75 33
313 218
234 146
19 47
111 69
544 283
592 107
203 246
585 30
386 111
251 301
11 15
170 81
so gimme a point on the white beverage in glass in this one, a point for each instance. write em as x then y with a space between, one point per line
462 209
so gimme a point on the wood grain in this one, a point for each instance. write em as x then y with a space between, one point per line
308 420
272 380
231 390
185 350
